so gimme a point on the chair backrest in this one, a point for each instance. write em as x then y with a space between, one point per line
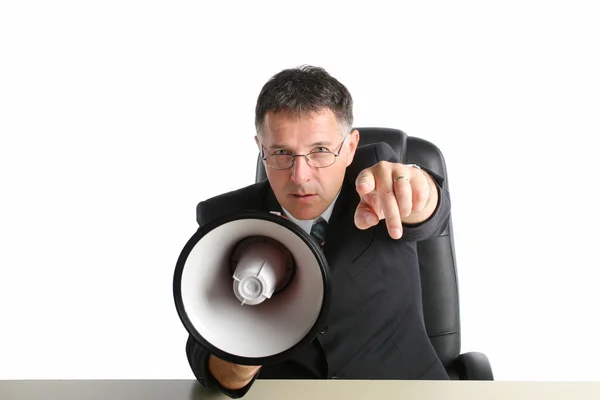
436 255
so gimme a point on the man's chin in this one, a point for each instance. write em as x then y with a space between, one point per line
304 208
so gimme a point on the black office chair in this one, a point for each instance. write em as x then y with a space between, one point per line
436 260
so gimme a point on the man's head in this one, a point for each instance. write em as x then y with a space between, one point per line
305 111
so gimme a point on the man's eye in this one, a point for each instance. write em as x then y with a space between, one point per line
280 153
320 149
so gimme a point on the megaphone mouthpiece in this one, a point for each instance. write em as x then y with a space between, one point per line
251 289
261 267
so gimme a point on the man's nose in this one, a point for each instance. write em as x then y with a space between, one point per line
301 171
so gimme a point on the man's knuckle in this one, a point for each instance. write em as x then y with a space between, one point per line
394 218
390 194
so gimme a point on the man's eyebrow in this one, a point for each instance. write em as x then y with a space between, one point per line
277 146
321 143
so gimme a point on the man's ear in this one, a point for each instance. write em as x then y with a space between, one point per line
353 139
257 142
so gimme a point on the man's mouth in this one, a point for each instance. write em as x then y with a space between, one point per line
301 195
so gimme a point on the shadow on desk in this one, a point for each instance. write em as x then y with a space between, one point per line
200 392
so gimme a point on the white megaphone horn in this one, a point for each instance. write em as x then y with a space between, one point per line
252 288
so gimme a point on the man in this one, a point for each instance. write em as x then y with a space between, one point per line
375 210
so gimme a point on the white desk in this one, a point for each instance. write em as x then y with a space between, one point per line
300 390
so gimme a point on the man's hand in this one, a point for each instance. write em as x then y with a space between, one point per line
231 376
395 192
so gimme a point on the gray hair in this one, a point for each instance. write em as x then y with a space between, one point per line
301 90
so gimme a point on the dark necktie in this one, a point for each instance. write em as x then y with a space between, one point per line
318 231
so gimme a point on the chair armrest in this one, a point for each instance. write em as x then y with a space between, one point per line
473 366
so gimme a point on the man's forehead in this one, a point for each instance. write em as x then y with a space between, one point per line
306 139
284 129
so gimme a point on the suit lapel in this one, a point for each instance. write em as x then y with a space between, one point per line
270 201
345 242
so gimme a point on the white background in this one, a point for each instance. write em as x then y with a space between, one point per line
117 117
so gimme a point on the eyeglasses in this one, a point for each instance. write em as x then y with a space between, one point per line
317 159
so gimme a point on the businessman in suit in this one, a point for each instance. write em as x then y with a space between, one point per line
366 209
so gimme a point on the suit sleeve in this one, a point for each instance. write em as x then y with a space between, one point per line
198 355
438 221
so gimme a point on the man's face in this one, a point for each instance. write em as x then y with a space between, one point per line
303 190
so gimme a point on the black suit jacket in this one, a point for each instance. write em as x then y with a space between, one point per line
375 328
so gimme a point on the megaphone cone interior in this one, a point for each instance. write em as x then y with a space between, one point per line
252 288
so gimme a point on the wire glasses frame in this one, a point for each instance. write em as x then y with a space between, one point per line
316 159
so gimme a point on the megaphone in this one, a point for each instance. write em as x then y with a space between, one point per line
252 288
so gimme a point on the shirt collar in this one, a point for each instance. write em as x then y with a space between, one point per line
306 224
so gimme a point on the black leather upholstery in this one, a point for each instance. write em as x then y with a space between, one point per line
436 260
